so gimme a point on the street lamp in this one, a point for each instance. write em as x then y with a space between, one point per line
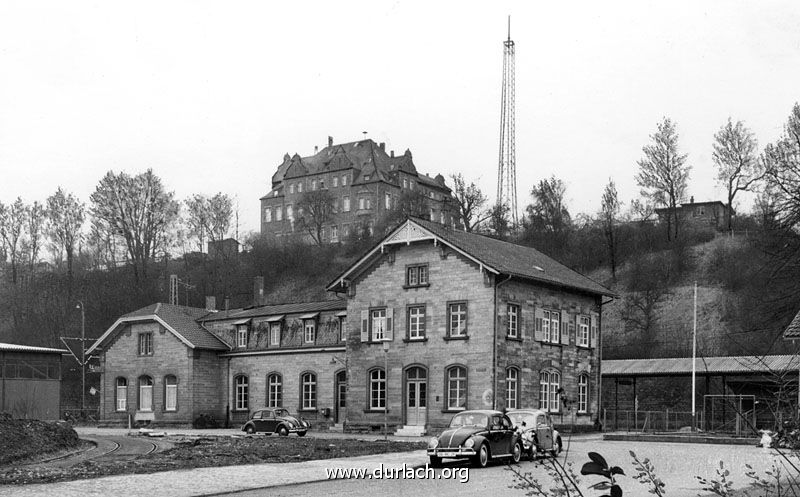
83 357
386 390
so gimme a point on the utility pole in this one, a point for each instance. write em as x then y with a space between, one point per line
82 360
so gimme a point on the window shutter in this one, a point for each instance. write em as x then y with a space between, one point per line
365 326
523 324
593 330
538 333
564 328
389 333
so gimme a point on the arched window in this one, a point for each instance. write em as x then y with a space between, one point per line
583 393
170 393
512 388
241 389
122 394
377 389
145 393
309 391
549 398
275 389
456 378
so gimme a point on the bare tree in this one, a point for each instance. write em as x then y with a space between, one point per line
315 209
138 209
65 215
12 224
499 221
197 218
471 203
736 158
609 214
34 230
548 212
782 165
209 217
663 172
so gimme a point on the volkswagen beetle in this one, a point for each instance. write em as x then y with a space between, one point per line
276 420
536 432
479 436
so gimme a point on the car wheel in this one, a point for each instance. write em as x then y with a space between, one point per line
436 462
301 433
481 459
283 431
250 430
556 447
516 452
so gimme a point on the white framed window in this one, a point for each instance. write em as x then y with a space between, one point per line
457 319
512 387
275 387
289 212
309 330
549 398
241 392
241 336
335 181
362 203
267 215
416 322
388 201
417 275
334 233
344 180
583 331
378 318
456 388
377 389
145 344
275 334
405 183
313 184
278 213
299 187
145 393
555 327
122 394
291 188
346 203
513 321
170 393
583 393
548 323
309 383
342 329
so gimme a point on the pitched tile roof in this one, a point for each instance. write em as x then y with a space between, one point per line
793 330
365 156
681 366
277 309
516 260
182 320
499 256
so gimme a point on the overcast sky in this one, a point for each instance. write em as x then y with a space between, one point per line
212 94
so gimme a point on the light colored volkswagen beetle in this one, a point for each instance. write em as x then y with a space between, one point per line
536 432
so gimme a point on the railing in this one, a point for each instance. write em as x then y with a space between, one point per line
78 416
643 421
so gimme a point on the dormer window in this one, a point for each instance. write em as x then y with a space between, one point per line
241 336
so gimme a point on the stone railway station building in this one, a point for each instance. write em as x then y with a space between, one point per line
429 322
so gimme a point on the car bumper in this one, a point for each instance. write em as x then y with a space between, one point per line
451 453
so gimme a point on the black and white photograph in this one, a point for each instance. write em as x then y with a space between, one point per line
397 247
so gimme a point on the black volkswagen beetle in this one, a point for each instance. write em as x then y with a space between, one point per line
478 436
275 420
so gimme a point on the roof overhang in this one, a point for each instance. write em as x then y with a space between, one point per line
310 315
274 319
242 321
407 233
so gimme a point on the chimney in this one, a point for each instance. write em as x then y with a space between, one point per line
258 290
691 199
316 149
391 153
211 303
382 146
227 304
330 141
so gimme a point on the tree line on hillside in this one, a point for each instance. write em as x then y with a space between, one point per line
116 252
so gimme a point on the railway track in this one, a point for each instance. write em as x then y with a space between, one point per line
105 449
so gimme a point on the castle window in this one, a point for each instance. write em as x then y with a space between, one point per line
512 387
145 393
241 391
145 344
583 393
416 322
457 320
456 378
275 386
377 389
122 394
170 393
513 321
309 391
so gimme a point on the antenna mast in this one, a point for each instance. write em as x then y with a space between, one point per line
507 165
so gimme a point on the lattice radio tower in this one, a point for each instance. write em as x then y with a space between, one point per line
507 165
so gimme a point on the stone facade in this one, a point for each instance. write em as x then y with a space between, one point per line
366 185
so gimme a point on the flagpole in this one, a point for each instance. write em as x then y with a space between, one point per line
694 361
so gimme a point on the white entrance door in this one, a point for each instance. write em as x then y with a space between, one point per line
417 397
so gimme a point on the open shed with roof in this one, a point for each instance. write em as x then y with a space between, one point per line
30 381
